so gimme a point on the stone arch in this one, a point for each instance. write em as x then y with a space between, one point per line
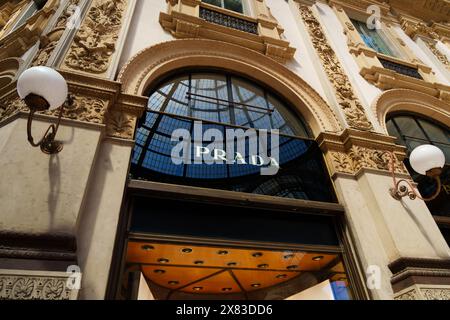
156 61
410 101
8 70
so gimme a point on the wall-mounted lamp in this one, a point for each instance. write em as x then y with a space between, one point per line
42 89
427 160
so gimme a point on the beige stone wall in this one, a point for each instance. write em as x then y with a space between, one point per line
42 194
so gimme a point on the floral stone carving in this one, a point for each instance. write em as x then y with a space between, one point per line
352 107
84 109
95 42
361 157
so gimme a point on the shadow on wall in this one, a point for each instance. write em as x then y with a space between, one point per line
425 234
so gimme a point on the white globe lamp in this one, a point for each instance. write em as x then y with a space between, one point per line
42 88
427 160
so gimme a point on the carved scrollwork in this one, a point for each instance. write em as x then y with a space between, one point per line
352 107
364 158
95 42
410 295
84 109
436 294
11 106
439 55
425 293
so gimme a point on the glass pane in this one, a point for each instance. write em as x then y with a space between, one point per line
235 5
284 120
372 38
392 130
434 132
214 2
209 97
409 128
171 97
246 96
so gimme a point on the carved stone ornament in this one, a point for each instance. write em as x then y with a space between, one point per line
120 125
414 29
84 109
355 150
352 107
49 41
16 43
11 106
95 42
441 57
422 292
364 158
23 285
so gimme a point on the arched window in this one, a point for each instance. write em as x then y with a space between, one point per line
224 101
413 131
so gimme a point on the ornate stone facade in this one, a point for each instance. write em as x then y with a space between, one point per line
358 158
15 44
350 104
95 42
260 32
439 55
23 285
85 109
353 151
49 41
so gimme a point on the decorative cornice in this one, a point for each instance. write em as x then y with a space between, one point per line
350 104
354 150
402 264
386 79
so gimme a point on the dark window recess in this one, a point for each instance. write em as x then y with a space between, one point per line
179 218
402 69
446 233
228 21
